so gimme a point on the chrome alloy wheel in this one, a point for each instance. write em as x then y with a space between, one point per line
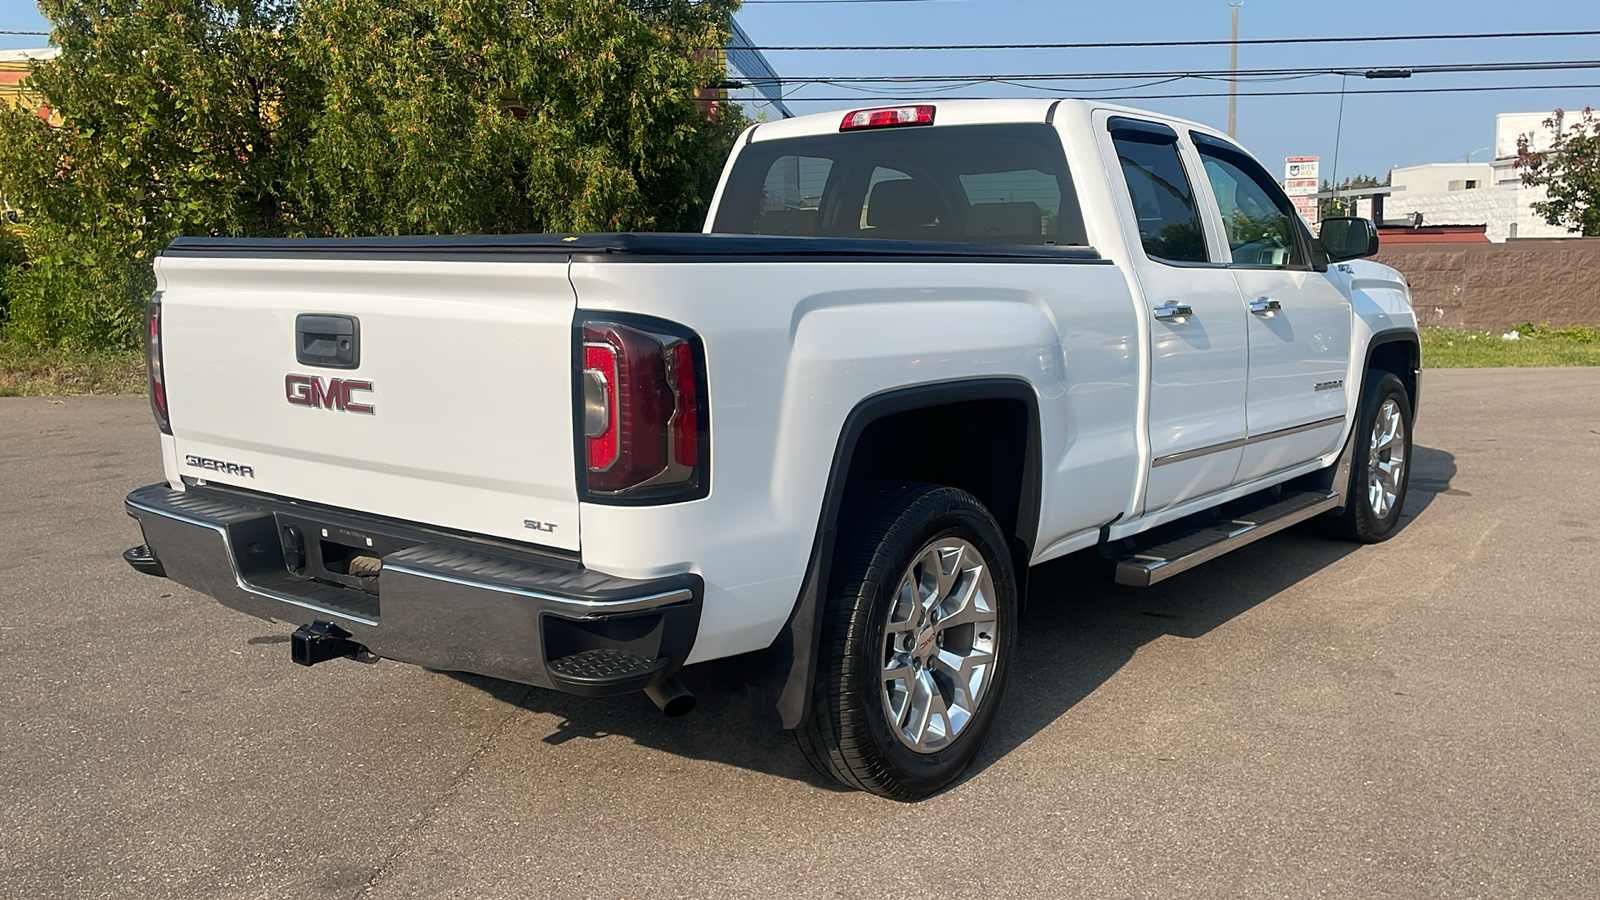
939 645
1386 459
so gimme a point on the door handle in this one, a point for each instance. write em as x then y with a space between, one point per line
1173 312
1265 307
331 342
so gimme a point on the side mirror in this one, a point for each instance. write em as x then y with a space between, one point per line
1347 237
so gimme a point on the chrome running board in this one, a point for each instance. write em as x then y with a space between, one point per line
1191 547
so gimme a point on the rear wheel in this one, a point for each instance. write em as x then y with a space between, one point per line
1380 471
917 639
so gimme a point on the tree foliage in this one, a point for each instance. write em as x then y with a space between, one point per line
1346 206
416 93
1569 172
344 117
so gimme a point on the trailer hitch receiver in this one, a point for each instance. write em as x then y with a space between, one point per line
321 641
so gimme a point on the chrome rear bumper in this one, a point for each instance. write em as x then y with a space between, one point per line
442 601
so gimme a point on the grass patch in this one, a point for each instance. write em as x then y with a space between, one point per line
39 372
1451 348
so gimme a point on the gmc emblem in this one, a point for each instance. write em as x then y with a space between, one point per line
334 393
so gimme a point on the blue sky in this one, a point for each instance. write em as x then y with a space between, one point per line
1378 132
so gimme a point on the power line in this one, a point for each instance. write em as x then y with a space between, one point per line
1220 42
1302 71
1330 93
1214 94
30 33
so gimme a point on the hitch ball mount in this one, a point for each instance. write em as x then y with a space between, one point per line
321 641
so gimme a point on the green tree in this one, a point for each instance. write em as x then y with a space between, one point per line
1346 206
413 132
1569 172
345 117
168 130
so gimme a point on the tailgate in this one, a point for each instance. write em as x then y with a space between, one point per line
458 412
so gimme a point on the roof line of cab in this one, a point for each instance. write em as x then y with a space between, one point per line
956 113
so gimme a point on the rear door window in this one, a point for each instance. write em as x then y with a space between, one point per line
1163 199
997 184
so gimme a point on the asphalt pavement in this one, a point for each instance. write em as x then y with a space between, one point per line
1301 718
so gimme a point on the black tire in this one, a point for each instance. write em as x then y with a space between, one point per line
1362 521
848 734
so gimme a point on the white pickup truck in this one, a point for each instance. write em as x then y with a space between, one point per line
916 351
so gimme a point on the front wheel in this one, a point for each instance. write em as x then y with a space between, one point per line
1380 472
918 634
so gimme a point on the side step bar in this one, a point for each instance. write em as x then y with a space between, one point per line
1190 548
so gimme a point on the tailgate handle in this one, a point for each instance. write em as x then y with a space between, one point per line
332 342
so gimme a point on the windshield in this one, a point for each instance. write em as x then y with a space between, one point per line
995 184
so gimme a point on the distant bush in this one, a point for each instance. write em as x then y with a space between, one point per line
12 255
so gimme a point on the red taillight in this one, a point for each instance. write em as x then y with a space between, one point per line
154 371
642 415
600 400
888 117
686 424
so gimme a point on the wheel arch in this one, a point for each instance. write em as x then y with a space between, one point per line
869 435
1397 350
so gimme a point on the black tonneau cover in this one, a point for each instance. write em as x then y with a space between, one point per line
658 246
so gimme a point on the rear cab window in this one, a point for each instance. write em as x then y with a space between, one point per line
994 184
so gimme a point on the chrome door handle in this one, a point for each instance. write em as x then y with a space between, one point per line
1173 312
1265 307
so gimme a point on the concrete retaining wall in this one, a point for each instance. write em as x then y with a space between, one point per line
1494 286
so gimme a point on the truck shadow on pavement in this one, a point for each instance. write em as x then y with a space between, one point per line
1078 631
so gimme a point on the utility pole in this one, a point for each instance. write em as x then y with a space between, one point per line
1338 136
1233 68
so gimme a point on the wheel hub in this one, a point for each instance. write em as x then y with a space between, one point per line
1386 459
939 645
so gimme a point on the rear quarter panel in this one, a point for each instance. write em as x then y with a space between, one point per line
793 347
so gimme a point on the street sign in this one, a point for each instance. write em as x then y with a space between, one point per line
1301 167
1306 206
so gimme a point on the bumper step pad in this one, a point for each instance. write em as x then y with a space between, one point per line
604 666
143 559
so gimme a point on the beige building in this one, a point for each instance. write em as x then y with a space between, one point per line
15 66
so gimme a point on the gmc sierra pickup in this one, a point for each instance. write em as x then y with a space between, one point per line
917 350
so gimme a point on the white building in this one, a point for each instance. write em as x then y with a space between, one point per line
1440 178
1487 193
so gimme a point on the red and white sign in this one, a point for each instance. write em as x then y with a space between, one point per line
1306 206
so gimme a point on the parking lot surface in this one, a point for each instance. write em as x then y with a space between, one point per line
1301 718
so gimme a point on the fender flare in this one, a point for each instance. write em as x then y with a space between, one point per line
1337 476
794 651
1397 336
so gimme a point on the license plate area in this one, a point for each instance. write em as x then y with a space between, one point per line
334 554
